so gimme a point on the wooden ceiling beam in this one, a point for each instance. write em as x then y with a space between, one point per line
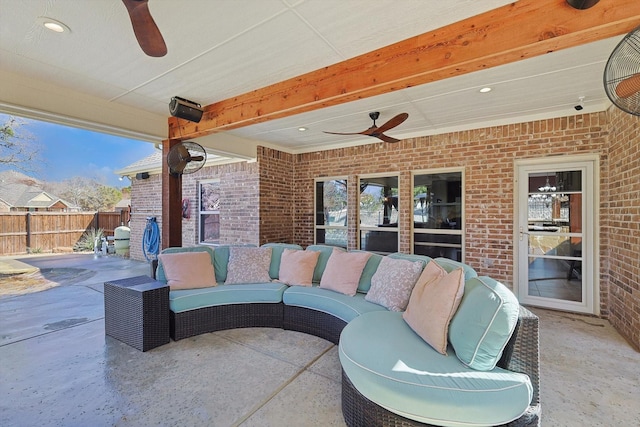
520 30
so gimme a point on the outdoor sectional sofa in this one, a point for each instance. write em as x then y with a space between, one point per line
390 375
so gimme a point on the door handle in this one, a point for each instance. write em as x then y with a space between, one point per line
522 233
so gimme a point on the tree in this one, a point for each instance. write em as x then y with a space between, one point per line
18 149
88 194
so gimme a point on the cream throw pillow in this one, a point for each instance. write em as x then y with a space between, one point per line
248 265
296 267
433 303
343 271
392 283
188 270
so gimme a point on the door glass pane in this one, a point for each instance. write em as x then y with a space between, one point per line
554 235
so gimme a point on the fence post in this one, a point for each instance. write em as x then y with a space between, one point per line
28 228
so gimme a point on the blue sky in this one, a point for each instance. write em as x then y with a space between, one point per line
69 152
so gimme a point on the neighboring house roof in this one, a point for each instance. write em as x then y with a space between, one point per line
20 191
153 164
123 203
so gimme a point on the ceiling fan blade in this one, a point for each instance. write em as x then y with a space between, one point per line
183 152
386 138
629 86
145 28
345 133
179 167
395 121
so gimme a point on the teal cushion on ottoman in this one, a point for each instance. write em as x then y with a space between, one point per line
484 322
393 367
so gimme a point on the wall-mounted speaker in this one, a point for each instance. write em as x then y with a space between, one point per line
185 109
142 175
582 4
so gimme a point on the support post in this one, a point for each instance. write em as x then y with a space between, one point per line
171 201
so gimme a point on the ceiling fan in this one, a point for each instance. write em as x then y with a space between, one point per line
145 28
186 157
378 132
622 74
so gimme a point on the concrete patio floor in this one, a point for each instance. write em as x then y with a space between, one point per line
57 367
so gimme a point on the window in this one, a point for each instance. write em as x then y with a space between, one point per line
378 222
331 212
209 212
438 214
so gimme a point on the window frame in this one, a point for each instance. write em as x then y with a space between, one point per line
442 231
201 212
323 226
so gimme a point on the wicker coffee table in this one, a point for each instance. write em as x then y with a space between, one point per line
136 312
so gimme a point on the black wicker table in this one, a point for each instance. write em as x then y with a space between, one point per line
136 312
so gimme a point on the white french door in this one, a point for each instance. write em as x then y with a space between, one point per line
556 233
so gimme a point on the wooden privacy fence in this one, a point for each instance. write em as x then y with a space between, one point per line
23 232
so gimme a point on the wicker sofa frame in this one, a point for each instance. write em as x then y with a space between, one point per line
231 316
520 355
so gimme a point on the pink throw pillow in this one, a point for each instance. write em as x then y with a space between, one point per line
430 311
343 271
296 267
188 270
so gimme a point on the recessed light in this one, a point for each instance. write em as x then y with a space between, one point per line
53 25
485 90
302 129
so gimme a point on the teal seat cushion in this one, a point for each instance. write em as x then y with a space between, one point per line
394 368
276 256
339 305
190 299
483 323
325 253
160 275
449 265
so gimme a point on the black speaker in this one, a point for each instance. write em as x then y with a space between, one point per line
582 4
185 109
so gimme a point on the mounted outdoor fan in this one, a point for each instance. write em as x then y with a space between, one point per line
622 74
186 157
145 28
378 132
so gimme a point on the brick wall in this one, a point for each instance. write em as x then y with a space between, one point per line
239 205
623 225
276 195
487 156
146 195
